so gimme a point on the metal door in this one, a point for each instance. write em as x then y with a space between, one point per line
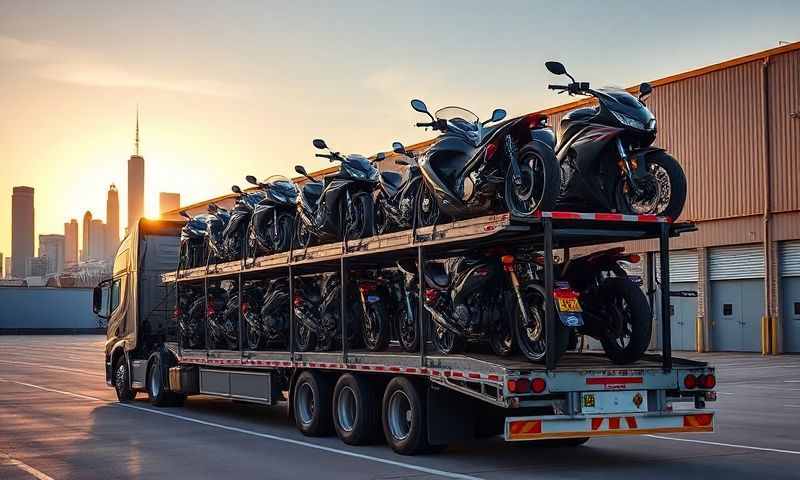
736 310
683 318
790 295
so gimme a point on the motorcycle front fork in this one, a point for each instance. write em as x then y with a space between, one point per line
518 294
626 164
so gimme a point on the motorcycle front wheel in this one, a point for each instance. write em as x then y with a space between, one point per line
359 222
532 337
540 182
253 333
407 326
629 318
447 341
302 234
375 328
281 234
305 339
381 218
427 209
662 191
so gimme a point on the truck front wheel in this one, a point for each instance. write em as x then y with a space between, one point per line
311 404
122 383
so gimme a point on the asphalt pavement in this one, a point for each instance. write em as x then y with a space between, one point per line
59 420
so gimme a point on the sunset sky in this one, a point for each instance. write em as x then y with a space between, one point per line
227 89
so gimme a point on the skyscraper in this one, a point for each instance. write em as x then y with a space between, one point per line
97 240
135 182
112 220
71 242
52 247
21 229
168 201
87 223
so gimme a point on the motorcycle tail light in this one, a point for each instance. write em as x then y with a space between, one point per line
490 151
633 258
367 287
297 301
431 294
210 310
177 312
245 307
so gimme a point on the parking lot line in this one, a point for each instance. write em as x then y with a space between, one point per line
719 444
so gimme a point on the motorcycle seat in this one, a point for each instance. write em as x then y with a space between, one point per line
436 276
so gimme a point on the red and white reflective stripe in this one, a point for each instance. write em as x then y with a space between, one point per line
608 217
456 374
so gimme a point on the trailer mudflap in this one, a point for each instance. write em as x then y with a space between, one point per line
562 426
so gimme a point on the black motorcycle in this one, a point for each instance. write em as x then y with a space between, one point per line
467 301
341 207
606 155
473 169
216 221
222 310
615 309
397 192
190 317
193 241
273 321
272 223
318 313
235 233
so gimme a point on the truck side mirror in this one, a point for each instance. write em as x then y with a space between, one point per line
97 298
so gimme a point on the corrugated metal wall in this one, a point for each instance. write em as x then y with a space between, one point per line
46 308
784 100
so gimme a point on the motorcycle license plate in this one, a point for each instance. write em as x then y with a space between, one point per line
568 305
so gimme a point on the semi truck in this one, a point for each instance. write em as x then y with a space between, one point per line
417 402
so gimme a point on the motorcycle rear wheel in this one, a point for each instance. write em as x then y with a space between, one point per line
626 306
446 341
669 186
540 184
407 327
532 340
375 328
305 339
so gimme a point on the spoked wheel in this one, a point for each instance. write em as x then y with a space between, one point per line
532 336
427 209
281 234
539 184
662 191
447 341
375 328
629 320
407 326
359 219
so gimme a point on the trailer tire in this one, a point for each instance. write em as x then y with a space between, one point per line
404 417
157 391
356 410
311 404
122 381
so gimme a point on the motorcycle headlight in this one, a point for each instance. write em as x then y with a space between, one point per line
631 122
651 125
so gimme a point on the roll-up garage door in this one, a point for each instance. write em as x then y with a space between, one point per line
682 266
733 263
683 274
789 267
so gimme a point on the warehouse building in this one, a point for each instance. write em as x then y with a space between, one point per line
735 128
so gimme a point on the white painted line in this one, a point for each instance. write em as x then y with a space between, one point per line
53 367
792 406
418 468
725 393
732 445
5 459
791 381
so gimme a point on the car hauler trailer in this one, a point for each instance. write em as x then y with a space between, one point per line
421 401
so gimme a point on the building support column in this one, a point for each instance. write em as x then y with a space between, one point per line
704 322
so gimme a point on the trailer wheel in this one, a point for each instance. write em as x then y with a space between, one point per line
122 383
311 404
157 392
356 410
404 417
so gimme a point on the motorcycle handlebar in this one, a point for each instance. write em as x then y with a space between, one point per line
323 155
558 87
425 124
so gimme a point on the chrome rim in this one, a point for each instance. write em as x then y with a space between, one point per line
305 404
657 195
528 195
119 381
399 415
347 409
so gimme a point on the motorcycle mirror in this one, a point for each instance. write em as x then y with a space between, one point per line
497 115
419 106
185 215
320 144
379 157
251 180
645 89
556 68
236 189
301 170
398 147
212 207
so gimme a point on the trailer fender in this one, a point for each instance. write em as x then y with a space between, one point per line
451 416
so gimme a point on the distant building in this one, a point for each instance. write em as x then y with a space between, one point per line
87 222
21 228
52 248
135 182
36 267
7 267
112 219
97 240
71 242
168 201
2 275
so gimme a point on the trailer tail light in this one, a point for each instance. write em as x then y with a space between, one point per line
690 382
707 381
519 385
538 385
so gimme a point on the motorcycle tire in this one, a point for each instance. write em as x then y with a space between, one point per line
501 340
428 212
364 208
305 339
251 246
667 165
535 349
546 181
302 234
381 218
407 327
282 241
625 302
254 334
447 341
375 328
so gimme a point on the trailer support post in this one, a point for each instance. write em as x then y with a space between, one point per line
344 280
291 313
549 317
666 334
420 306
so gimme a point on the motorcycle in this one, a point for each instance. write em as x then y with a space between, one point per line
467 302
216 221
222 310
342 206
190 317
273 325
193 237
396 195
235 233
272 223
606 155
318 313
474 169
615 308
